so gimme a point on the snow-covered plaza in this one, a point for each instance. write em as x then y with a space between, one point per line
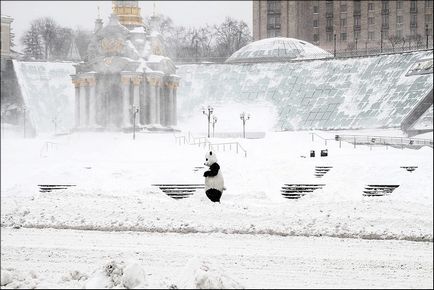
254 238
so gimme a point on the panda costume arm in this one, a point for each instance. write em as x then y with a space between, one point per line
213 170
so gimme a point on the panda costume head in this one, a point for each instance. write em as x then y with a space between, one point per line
214 183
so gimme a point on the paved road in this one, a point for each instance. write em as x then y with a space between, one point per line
256 261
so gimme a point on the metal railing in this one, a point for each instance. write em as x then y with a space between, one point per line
322 138
48 146
397 142
203 141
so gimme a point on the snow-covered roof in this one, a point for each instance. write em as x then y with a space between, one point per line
277 49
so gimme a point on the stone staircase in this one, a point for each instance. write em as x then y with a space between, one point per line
320 171
409 168
179 191
51 187
379 189
296 191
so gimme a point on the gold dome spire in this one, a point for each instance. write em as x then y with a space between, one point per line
128 13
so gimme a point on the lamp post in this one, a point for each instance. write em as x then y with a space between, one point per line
381 40
214 120
426 33
208 112
244 117
334 46
135 109
54 120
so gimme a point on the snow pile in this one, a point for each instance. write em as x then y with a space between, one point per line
205 274
12 279
117 275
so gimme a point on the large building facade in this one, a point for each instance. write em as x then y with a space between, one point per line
126 80
354 24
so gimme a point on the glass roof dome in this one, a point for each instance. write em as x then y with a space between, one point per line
277 49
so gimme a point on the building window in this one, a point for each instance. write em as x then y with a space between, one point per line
413 20
343 36
428 18
315 9
399 4
371 35
356 34
316 37
273 21
399 33
329 22
329 37
315 23
385 5
370 6
273 33
428 3
385 21
370 20
343 7
399 19
413 31
385 34
273 6
413 6
357 21
343 22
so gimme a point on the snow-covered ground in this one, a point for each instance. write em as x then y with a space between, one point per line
114 196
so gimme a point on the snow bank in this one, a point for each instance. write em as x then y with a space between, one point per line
205 274
118 275
12 279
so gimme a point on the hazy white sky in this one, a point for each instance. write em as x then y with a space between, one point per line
83 13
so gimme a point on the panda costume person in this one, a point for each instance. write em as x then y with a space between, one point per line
214 184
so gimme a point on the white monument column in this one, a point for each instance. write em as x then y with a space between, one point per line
83 113
158 101
92 102
174 104
152 100
125 79
136 96
143 102
169 107
76 83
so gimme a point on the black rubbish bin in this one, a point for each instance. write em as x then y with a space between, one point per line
324 153
312 153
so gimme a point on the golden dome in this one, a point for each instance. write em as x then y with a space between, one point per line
128 13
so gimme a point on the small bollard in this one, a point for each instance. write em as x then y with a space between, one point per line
312 153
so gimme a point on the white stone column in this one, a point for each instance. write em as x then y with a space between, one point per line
126 101
92 102
83 111
169 108
76 83
174 104
143 102
152 100
158 101
136 97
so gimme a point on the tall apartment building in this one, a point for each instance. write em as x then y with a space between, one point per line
355 24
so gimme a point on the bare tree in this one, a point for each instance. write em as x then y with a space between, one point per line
230 36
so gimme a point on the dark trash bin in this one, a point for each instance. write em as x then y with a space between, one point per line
312 153
324 153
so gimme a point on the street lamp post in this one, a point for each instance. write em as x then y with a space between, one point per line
55 124
208 112
214 120
426 33
334 46
381 40
135 111
244 117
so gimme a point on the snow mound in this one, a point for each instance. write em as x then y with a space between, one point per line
10 278
204 274
117 275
